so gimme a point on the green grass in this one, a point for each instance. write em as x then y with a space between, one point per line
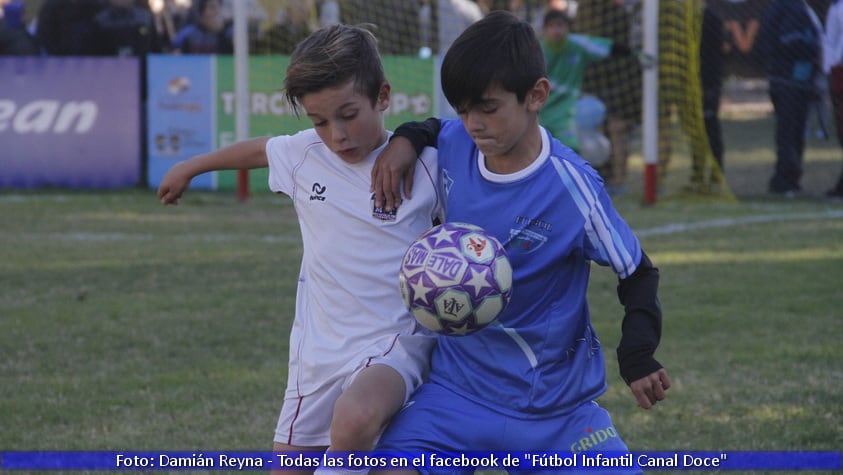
126 325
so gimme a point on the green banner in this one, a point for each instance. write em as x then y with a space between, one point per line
412 84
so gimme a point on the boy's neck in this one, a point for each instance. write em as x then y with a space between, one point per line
521 156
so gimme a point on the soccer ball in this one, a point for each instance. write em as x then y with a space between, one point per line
595 148
456 278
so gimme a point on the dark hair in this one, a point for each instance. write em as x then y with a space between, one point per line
556 14
202 5
333 56
499 49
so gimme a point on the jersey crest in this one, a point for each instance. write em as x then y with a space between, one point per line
525 241
379 212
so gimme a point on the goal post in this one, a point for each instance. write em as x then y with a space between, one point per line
241 88
650 108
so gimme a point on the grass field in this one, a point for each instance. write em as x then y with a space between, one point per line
126 325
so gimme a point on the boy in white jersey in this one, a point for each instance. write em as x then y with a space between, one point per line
356 354
529 382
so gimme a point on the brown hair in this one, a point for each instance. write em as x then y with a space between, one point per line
333 56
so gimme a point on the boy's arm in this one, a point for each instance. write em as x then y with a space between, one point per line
240 156
397 161
640 334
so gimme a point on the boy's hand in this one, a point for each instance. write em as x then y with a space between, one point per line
650 389
396 162
173 185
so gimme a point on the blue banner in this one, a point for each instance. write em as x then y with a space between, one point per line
181 113
434 461
69 122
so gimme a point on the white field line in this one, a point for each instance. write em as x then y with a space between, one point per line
672 228
675 228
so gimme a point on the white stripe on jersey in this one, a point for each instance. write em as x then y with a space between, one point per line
525 347
598 227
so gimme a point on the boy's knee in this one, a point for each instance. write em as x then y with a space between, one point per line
355 423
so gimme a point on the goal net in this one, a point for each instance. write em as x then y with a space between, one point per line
700 53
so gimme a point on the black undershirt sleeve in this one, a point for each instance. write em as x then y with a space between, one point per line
642 322
420 134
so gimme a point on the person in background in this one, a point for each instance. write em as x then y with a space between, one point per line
790 43
15 40
125 29
567 55
711 79
66 27
329 12
616 81
293 23
833 66
208 34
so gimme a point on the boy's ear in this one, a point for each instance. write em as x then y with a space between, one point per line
538 95
383 96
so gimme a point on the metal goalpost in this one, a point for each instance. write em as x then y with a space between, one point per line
241 88
650 106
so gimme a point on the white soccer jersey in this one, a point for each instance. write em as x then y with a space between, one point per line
348 305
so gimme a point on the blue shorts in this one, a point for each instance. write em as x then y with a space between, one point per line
436 419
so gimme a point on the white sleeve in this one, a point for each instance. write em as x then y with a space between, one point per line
280 158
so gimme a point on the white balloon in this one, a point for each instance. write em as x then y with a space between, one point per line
594 147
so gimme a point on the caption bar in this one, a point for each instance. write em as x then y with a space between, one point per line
510 461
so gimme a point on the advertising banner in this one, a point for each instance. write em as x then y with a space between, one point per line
69 122
412 98
181 113
191 107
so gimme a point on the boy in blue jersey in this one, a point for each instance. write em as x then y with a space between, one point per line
529 382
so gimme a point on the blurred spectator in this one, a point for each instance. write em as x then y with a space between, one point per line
207 34
711 77
790 44
833 65
329 12
15 40
531 11
170 17
425 28
616 81
567 55
294 22
126 29
66 27
454 16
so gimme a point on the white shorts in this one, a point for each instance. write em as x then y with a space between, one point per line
306 420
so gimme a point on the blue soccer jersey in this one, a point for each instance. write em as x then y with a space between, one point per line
554 217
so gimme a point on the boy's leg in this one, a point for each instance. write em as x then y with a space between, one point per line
438 420
360 412
375 393
618 129
365 407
